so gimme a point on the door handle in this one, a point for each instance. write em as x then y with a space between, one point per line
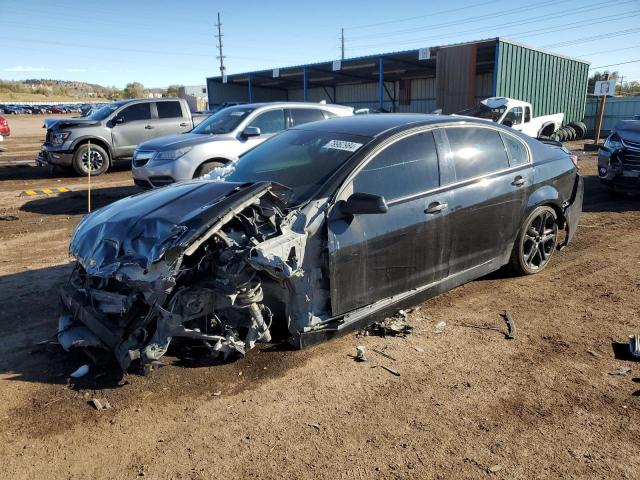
148 127
183 124
519 181
436 207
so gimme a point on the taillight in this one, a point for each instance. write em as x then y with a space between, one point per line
574 159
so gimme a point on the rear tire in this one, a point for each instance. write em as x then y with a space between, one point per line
207 167
99 160
536 242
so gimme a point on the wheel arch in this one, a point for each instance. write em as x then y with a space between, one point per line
222 160
547 129
547 195
101 142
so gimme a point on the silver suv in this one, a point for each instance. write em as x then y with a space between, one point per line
220 138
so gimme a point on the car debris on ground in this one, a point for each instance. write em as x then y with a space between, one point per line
390 327
620 371
440 326
634 345
510 334
360 355
100 403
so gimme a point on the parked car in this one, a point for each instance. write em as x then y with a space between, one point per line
114 132
316 232
517 115
5 131
220 138
619 158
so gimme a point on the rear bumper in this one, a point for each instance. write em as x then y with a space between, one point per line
573 210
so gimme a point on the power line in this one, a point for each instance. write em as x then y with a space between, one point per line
459 21
529 33
615 64
592 38
432 14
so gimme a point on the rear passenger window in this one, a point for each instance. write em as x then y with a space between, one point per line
139 111
406 167
518 154
476 151
169 109
305 115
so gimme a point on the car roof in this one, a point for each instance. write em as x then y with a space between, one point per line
374 124
291 104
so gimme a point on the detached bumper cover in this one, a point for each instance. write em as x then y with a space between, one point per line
573 211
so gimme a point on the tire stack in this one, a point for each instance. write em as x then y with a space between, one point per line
573 131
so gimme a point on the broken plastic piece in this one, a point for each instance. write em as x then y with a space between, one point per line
620 371
441 326
360 355
81 371
100 404
634 345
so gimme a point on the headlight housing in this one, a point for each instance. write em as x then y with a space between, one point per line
171 155
613 142
59 138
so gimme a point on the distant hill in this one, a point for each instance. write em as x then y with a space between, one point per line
44 89
40 89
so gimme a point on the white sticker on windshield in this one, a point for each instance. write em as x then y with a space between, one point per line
237 113
343 145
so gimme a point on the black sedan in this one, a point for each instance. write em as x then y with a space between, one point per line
315 232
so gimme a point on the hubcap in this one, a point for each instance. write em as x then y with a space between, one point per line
539 240
96 160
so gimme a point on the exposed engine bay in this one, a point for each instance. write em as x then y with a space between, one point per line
218 285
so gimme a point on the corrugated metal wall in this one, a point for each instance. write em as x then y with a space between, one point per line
423 96
549 82
228 92
616 109
454 84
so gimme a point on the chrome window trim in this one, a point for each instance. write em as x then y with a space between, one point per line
448 186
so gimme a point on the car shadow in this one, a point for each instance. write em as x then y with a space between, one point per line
29 351
73 203
598 199
31 172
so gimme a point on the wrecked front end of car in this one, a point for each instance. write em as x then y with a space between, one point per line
619 158
191 261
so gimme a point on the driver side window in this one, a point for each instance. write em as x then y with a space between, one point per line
406 167
269 122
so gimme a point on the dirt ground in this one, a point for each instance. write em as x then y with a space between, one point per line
468 403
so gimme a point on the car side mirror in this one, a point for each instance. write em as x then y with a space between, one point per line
251 132
118 119
364 203
507 123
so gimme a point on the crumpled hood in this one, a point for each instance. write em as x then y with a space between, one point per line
628 130
173 142
140 229
58 123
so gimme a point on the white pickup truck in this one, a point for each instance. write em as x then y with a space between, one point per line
517 115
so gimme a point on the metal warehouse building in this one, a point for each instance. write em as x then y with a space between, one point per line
450 77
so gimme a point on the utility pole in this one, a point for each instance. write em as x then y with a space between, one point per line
342 44
220 56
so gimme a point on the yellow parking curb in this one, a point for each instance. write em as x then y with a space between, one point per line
44 191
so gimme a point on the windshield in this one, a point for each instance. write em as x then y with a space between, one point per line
482 111
104 112
224 121
299 159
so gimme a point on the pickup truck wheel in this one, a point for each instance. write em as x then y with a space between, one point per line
99 160
535 242
206 168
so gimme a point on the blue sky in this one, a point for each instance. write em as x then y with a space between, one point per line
161 43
